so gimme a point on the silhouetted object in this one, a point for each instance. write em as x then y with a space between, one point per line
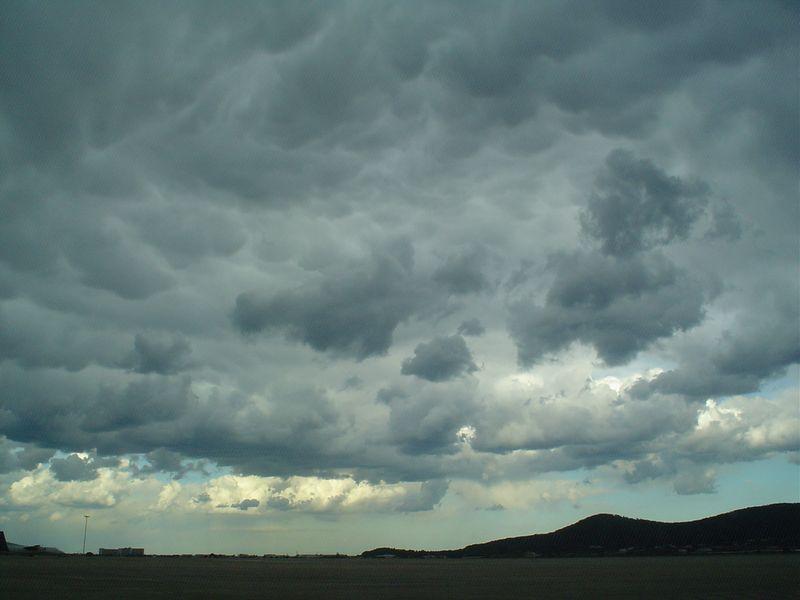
7 547
772 528
85 526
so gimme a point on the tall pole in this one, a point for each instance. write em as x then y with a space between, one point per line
85 525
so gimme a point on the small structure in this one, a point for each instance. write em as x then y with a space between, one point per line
121 552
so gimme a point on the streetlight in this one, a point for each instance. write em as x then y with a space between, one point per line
85 525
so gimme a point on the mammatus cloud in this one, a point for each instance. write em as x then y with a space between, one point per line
256 254
159 356
622 302
425 418
353 313
440 359
77 468
637 206
463 273
617 305
471 327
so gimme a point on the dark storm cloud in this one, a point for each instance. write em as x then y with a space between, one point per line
637 206
31 456
352 313
305 72
15 456
112 67
471 327
354 382
701 381
431 493
73 468
108 263
740 360
162 460
618 305
249 101
425 418
298 430
725 223
609 69
186 238
161 416
77 413
147 159
440 359
246 503
35 337
141 402
159 356
763 347
463 273
77 468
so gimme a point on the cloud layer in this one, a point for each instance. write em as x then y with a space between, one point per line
331 258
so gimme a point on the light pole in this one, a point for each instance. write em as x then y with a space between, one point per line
85 525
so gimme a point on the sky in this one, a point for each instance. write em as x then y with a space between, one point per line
283 277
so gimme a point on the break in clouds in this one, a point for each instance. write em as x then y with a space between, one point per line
363 256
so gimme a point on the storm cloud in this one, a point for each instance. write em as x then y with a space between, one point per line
246 503
77 468
352 313
637 206
619 306
471 327
157 356
440 359
282 259
463 274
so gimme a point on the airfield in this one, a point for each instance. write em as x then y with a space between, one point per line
718 576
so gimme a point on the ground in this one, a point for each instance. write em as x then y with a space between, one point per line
763 576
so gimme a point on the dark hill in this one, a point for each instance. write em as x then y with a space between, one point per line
771 527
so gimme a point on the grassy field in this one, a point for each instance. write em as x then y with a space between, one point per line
762 576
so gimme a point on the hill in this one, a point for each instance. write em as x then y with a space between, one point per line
774 527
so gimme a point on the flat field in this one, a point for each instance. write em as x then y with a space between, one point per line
734 576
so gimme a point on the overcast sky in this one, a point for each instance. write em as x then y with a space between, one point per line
298 276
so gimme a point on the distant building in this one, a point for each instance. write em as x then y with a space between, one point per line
121 552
